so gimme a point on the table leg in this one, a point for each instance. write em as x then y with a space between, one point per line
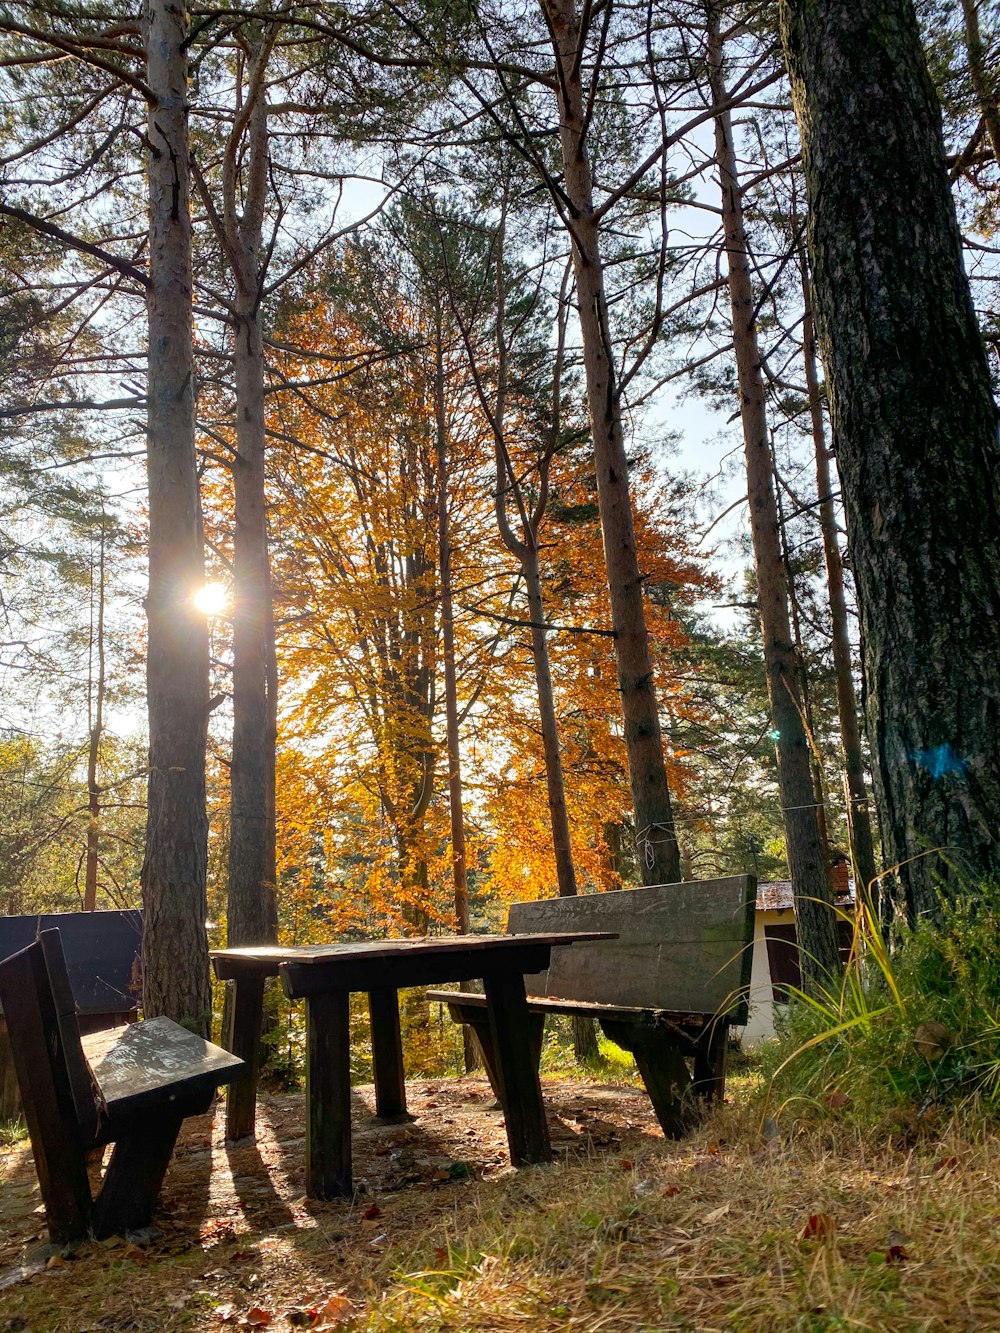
511 1031
242 1038
387 1055
328 1096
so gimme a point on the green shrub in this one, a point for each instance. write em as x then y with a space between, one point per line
915 1026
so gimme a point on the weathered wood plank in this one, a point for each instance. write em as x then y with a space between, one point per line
387 1053
710 1063
141 1065
134 1085
512 1031
663 1071
86 1099
46 1095
411 962
688 1026
328 1096
131 1186
246 1013
684 947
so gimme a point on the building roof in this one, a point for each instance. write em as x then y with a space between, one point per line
777 895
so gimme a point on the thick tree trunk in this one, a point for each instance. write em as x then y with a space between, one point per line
175 945
915 431
858 817
252 914
658 855
804 845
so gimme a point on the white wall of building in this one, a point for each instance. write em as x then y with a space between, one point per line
760 1024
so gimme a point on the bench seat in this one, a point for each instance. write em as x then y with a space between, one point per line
150 1065
131 1086
674 942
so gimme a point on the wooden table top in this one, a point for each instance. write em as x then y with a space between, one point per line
230 963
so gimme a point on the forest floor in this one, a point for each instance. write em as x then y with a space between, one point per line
733 1229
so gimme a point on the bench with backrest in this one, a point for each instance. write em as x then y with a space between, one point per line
667 989
103 960
132 1086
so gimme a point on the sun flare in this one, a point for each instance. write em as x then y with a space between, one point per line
212 599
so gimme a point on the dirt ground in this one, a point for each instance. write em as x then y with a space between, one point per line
233 1218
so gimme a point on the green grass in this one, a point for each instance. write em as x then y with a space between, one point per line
912 1028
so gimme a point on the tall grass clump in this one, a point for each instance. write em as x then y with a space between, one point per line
912 1025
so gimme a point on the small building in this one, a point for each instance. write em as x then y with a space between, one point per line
775 964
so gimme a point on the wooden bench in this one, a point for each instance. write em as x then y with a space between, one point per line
103 960
132 1086
667 989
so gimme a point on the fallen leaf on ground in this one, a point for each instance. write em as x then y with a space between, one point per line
337 1310
373 1211
819 1226
836 1101
257 1317
716 1215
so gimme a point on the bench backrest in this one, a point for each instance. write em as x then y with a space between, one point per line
102 952
52 1073
682 947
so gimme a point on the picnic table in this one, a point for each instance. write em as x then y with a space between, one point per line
325 975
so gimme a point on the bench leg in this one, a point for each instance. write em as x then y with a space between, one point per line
710 1064
479 1023
477 1020
243 1039
328 1096
663 1071
387 1055
515 1049
135 1173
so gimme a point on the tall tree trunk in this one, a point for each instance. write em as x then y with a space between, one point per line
658 854
915 430
175 945
509 492
803 842
459 862
985 84
858 818
555 785
95 701
252 912
458 856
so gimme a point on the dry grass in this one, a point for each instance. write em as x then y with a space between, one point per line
626 1234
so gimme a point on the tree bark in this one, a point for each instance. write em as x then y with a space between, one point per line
656 839
858 817
804 845
915 431
252 915
96 705
985 85
460 874
175 945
